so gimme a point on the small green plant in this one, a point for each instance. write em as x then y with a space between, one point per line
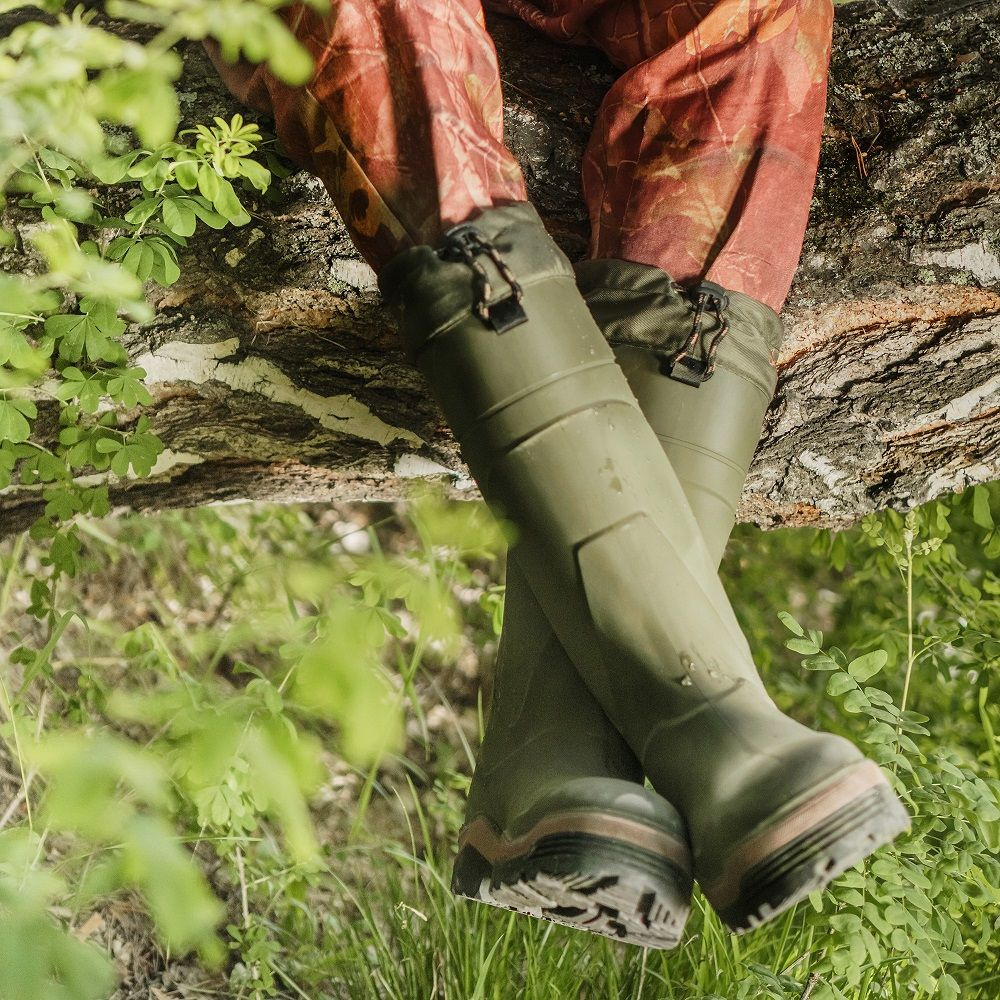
95 392
216 730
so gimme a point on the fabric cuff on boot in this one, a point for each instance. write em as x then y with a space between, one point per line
512 230
638 305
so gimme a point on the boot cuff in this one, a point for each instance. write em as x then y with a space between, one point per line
430 290
637 305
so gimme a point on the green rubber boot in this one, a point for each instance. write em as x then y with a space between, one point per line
611 551
548 744
558 823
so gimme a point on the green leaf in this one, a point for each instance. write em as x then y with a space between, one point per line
145 165
991 547
141 98
178 216
805 646
856 702
257 175
185 910
981 513
867 666
209 183
840 684
104 316
340 676
139 260
207 215
7 460
141 212
87 389
186 172
115 170
61 504
70 332
948 988
289 60
17 352
228 204
127 388
54 159
820 662
89 333
165 269
790 623
14 428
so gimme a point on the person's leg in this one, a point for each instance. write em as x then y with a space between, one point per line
704 153
403 121
403 124
703 156
708 434
774 817
608 544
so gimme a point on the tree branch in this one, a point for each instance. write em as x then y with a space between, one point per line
275 373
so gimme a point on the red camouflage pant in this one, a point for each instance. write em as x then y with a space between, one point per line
702 160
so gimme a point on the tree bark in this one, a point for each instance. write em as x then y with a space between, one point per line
276 375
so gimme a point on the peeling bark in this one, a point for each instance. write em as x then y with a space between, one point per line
276 376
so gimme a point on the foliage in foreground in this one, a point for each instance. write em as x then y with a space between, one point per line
196 717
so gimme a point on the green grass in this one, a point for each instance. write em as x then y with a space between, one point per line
183 631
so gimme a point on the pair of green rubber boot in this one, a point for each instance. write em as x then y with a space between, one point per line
613 584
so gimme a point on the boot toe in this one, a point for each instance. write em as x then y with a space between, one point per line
603 855
812 838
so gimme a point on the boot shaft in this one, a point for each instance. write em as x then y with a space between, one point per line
709 426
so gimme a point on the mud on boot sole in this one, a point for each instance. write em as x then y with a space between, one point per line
808 848
593 882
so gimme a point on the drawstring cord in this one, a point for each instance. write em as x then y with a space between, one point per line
465 243
684 367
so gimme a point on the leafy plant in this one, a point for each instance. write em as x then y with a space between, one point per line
98 196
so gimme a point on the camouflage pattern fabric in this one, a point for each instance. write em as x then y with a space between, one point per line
703 156
403 120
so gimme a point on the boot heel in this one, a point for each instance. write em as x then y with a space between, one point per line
604 885
807 848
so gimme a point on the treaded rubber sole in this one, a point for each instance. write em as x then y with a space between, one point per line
593 883
860 821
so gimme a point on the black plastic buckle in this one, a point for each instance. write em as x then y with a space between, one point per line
506 313
690 371
466 242
711 291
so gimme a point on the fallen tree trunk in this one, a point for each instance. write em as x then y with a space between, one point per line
275 373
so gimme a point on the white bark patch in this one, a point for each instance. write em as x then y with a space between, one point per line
967 404
823 468
170 460
976 259
951 479
354 273
179 361
415 467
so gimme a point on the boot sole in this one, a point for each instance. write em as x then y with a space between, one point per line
631 883
806 848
